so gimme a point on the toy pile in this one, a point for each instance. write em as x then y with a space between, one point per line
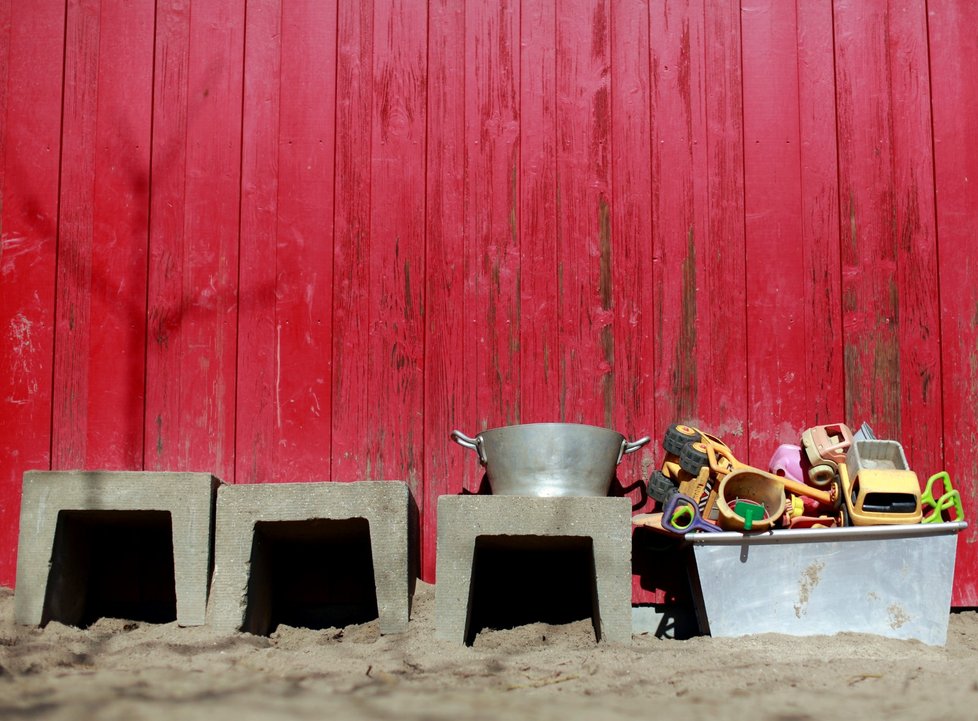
832 478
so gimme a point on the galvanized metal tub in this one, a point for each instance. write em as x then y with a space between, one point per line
890 581
549 459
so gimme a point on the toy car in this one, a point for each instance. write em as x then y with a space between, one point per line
878 486
825 448
689 467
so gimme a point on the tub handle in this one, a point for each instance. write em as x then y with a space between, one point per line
631 446
474 443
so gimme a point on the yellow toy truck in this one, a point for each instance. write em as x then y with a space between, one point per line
878 486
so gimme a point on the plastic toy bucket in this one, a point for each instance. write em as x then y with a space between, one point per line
754 487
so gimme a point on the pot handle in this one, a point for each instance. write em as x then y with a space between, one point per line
474 443
631 446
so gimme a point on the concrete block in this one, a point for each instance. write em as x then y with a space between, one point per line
97 543
301 553
600 526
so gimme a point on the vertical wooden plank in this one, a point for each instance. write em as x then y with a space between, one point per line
304 282
820 214
69 430
869 267
449 391
916 237
32 47
539 343
584 284
166 314
284 393
379 346
631 225
395 426
679 209
697 191
953 56
791 223
121 230
722 264
5 15
258 430
351 291
889 264
631 249
492 190
780 389
194 238
100 342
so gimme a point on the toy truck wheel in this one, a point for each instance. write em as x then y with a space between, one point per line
693 457
840 501
844 515
678 436
661 488
821 475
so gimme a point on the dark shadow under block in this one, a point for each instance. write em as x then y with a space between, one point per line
111 564
312 574
518 580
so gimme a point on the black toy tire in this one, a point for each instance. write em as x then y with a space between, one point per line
660 487
693 457
677 437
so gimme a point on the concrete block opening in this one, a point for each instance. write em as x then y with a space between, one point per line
111 564
596 529
518 580
315 574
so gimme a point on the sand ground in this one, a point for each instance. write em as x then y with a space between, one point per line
119 669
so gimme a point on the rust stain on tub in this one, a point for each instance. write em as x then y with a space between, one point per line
810 578
898 616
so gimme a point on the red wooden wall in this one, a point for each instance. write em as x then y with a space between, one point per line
304 240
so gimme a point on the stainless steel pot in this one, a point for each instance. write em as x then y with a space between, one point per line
549 459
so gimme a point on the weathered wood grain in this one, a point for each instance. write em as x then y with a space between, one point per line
285 282
820 220
791 224
450 322
352 233
953 50
258 428
584 285
538 303
889 261
721 259
32 37
394 435
492 187
99 357
679 211
779 398
378 345
628 276
194 231
73 328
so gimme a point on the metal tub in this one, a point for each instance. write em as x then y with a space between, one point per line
886 580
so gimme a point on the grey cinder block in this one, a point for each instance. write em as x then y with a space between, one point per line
464 519
73 507
304 510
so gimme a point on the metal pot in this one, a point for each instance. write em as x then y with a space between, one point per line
549 459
